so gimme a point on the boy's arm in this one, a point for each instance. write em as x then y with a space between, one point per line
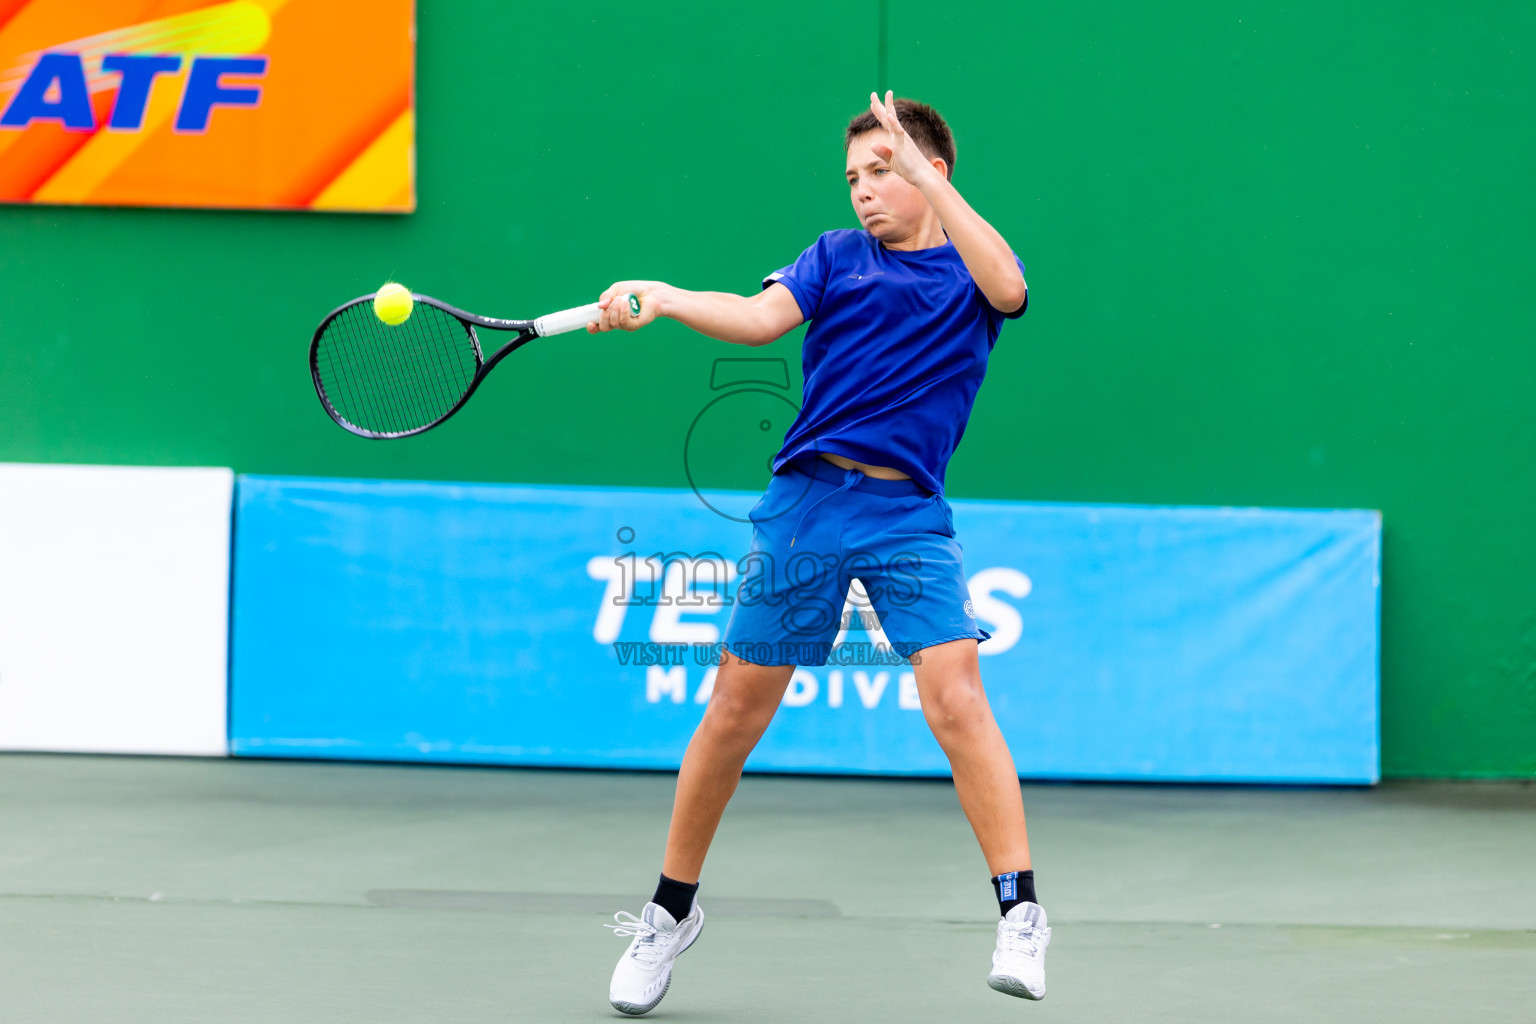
985 252
738 319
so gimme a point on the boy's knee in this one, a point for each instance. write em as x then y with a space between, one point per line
956 708
733 715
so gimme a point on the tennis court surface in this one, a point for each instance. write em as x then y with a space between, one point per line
160 890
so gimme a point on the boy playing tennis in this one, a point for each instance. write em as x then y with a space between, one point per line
903 316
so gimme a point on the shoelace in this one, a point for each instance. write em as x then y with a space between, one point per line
1023 939
648 951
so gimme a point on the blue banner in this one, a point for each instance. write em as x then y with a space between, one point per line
574 626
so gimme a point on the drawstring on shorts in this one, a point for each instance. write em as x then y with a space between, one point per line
850 478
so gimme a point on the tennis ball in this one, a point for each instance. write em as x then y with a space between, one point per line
392 304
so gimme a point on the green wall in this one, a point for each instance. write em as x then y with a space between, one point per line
1279 255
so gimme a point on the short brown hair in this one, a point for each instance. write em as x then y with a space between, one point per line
921 121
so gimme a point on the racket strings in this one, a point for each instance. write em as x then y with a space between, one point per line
393 380
359 355
402 370
446 330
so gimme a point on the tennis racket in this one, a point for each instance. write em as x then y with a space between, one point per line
380 381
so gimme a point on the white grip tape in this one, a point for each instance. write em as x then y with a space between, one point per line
567 320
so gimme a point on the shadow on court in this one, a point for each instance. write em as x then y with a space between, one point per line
158 890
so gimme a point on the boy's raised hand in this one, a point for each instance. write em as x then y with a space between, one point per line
900 152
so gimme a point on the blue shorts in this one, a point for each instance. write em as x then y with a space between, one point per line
817 529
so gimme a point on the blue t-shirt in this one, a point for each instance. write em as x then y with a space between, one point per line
895 353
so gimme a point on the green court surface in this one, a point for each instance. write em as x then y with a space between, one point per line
157 890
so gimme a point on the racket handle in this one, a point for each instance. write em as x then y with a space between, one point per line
567 320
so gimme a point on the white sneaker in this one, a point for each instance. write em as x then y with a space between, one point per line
645 969
1018 963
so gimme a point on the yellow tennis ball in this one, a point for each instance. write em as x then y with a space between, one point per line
393 304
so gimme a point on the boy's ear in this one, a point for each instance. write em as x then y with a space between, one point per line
940 166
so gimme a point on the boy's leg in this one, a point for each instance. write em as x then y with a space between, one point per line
742 704
740 708
949 685
956 707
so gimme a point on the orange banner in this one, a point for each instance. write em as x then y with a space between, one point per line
288 104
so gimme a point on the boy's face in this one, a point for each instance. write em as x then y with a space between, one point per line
889 207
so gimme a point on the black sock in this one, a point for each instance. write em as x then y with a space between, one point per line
1014 888
675 897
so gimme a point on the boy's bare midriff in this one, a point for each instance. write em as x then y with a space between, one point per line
878 472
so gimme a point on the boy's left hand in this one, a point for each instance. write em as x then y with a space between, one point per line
900 152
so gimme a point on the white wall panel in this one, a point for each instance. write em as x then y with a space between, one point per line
114 608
